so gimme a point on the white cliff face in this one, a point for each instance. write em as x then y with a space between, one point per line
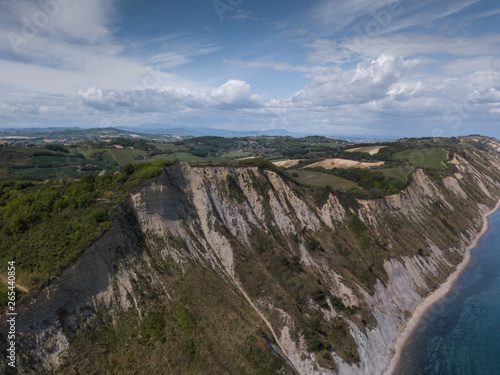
452 184
187 215
406 276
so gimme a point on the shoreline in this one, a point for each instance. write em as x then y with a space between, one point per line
435 296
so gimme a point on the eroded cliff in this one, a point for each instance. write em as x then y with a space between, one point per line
239 270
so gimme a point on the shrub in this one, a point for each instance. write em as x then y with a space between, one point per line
154 325
99 215
314 245
58 148
235 192
356 225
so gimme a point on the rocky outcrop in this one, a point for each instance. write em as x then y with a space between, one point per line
237 221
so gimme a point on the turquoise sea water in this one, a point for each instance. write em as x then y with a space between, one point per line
460 335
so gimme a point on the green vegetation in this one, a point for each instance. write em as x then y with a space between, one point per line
154 326
138 144
264 147
205 325
235 192
206 329
356 225
321 179
372 179
399 173
45 226
42 136
190 158
425 157
268 271
3 294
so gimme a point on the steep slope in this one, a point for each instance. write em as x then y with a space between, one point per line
225 270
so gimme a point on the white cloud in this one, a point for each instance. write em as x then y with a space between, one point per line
369 81
406 45
65 56
72 49
73 71
338 14
278 66
294 32
242 14
232 94
68 20
388 15
177 55
409 45
426 12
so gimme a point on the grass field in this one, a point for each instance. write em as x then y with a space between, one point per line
321 179
236 154
164 146
425 157
70 159
398 172
42 173
123 156
186 156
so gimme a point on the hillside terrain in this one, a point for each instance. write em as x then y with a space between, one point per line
227 266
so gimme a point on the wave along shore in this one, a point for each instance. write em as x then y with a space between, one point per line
438 294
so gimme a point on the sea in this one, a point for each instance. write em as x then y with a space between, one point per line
460 334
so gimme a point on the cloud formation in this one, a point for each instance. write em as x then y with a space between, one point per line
360 67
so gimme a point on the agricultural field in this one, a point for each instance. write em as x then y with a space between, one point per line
42 137
287 163
46 173
425 157
344 163
186 156
321 179
372 150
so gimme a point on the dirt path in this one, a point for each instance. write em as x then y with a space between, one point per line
5 280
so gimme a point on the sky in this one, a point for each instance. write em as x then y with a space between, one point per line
342 68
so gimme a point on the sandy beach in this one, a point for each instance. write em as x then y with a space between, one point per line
435 296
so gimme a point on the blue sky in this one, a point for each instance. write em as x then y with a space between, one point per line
361 67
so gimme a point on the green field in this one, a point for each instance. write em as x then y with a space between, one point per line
186 156
164 146
236 154
44 173
400 173
321 179
69 159
425 157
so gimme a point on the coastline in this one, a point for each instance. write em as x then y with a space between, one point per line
435 296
